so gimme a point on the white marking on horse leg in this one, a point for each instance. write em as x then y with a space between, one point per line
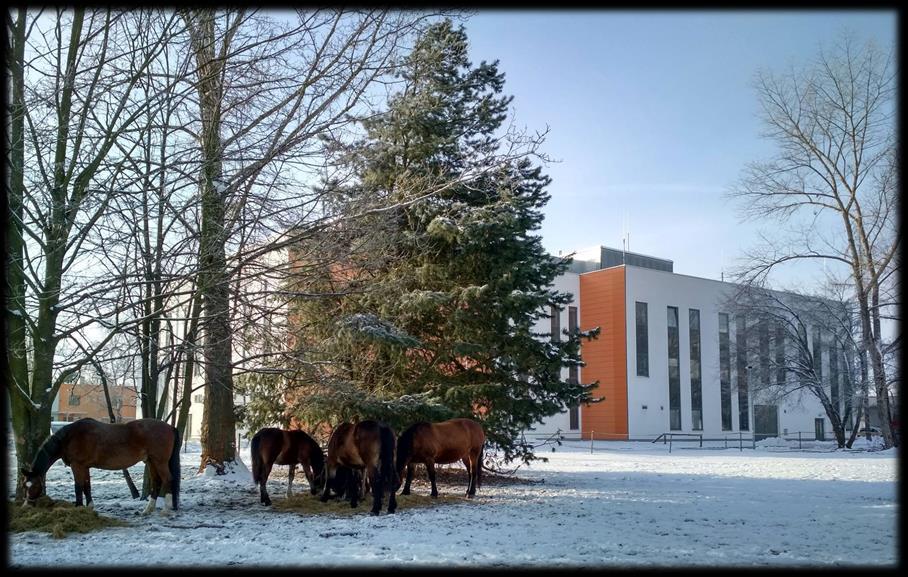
150 507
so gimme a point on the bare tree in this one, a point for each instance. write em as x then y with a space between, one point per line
268 89
834 182
72 76
800 344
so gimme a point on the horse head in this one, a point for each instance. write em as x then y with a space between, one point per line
34 486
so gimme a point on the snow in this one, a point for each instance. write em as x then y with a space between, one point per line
627 503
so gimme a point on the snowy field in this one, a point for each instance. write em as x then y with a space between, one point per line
626 504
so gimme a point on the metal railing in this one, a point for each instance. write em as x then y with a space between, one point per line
670 437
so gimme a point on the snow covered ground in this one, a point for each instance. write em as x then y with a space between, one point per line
626 504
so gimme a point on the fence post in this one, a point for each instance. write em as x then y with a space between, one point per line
701 440
754 439
670 444
799 440
726 441
592 433
741 441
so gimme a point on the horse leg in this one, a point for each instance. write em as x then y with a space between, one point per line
263 484
166 480
475 464
155 487
330 470
353 487
377 488
430 468
86 487
79 476
290 480
468 463
410 468
307 470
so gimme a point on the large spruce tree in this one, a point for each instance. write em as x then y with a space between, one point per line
436 297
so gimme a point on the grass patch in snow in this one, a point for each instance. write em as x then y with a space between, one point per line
58 518
307 504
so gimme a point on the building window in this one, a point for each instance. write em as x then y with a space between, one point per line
725 371
674 371
574 418
642 341
834 374
741 350
572 329
781 371
818 353
556 322
696 380
764 353
199 398
74 399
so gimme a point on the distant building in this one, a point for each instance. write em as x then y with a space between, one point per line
83 399
665 359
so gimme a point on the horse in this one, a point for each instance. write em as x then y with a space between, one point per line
271 446
366 447
442 443
88 443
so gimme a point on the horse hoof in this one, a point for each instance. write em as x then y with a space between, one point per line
435 495
373 513
405 492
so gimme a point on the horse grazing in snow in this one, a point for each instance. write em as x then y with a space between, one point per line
88 443
271 446
442 443
367 448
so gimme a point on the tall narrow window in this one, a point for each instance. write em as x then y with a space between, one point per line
725 371
556 322
834 374
764 353
574 416
696 380
642 341
781 371
741 349
674 371
818 353
572 329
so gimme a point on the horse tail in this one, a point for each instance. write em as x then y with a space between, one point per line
256 458
174 466
386 454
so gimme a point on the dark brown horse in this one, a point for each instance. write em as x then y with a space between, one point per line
272 446
442 443
88 443
367 448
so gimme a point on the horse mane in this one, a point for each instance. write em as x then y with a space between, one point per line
405 441
50 450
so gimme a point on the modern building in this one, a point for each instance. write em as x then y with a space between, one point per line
667 358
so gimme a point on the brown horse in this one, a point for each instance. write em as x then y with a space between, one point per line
89 443
272 446
367 448
442 443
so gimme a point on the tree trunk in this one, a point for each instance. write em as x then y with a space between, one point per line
218 423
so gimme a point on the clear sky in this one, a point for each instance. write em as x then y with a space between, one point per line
652 116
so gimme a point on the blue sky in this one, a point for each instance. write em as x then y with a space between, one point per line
652 116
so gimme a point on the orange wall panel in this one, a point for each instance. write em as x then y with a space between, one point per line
602 294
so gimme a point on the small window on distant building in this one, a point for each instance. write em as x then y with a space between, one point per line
74 400
642 340
556 322
574 418
199 398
